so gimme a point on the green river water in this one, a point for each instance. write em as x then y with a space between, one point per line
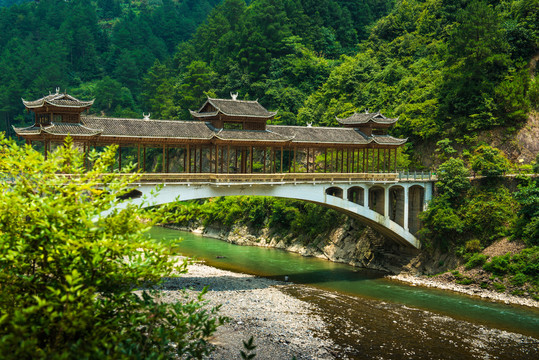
360 298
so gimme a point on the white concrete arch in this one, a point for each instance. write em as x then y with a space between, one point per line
312 192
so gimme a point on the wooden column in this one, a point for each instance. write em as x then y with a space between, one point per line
389 161
264 156
119 158
228 159
342 160
251 160
308 159
348 160
295 157
200 159
282 151
144 158
325 160
163 166
395 159
378 170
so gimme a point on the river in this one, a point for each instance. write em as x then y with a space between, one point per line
370 316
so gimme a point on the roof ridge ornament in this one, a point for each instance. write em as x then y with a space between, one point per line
234 96
57 90
146 117
310 124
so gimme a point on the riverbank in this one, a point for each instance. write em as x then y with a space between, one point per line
441 282
282 326
342 241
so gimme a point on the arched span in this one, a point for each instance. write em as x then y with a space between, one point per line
315 193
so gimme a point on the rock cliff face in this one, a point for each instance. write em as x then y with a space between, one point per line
352 244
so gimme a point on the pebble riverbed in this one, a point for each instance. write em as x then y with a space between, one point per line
283 327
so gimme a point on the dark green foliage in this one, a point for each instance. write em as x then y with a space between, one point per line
499 265
79 283
527 224
536 164
489 214
489 161
72 44
442 225
249 347
475 261
453 179
282 215
521 268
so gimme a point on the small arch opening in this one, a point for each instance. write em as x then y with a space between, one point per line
356 194
377 199
396 204
416 200
335 191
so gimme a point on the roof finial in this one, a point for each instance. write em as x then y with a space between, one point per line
57 90
310 124
234 95
366 111
146 117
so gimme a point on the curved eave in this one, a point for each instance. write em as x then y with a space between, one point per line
216 136
267 117
202 115
84 104
396 142
359 123
21 132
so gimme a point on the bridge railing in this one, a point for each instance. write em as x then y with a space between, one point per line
416 176
266 178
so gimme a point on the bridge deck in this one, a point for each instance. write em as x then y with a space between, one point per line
267 178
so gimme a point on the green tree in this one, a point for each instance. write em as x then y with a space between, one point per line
79 277
489 161
527 225
453 180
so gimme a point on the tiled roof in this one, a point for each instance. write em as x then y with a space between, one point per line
332 135
251 135
58 99
363 118
198 130
388 140
232 107
150 128
58 129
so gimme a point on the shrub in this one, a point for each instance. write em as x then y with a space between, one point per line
70 266
489 161
475 261
499 265
473 246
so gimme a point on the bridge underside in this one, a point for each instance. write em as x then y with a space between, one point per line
386 206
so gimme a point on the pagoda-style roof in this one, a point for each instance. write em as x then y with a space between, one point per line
333 135
232 108
365 118
61 100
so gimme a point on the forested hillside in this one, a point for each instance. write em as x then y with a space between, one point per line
96 49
